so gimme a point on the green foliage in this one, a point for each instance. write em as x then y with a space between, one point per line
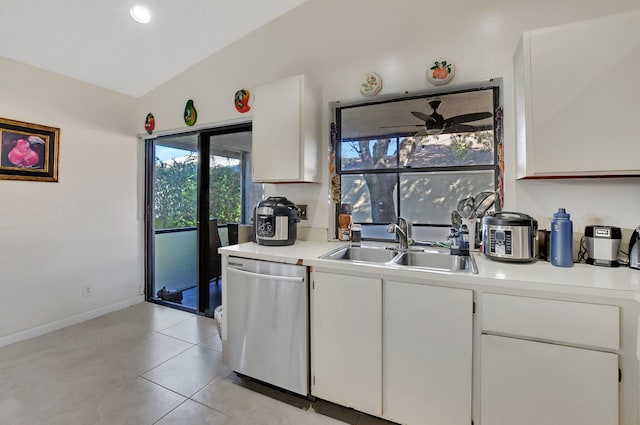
176 193
462 144
225 195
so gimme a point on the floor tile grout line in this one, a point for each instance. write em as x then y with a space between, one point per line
170 358
166 388
209 407
191 342
141 375
186 398
171 411
174 324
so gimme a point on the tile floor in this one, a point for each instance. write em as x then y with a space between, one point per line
146 364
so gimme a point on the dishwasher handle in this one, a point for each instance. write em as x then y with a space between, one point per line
267 276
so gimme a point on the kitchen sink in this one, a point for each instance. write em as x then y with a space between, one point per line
428 259
361 253
438 260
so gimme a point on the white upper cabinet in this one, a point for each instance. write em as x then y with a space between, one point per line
286 131
577 99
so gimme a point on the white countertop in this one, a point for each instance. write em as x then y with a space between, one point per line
581 279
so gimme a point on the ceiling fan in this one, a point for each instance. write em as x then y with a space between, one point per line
437 124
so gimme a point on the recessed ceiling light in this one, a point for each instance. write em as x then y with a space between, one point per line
140 14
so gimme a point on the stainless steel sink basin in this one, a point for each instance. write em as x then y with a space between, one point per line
361 253
429 259
437 260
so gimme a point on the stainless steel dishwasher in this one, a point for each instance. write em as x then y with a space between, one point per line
267 322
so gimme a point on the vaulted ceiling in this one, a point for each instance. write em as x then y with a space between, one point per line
97 41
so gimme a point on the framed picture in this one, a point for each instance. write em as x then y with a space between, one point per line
28 151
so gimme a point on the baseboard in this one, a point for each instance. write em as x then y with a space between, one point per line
63 323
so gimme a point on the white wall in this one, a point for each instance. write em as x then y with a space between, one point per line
57 237
336 41
85 230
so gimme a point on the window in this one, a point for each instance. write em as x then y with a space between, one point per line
416 157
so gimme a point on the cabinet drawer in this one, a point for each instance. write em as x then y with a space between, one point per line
533 383
562 321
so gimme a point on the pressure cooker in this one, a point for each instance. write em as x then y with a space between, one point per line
509 236
276 221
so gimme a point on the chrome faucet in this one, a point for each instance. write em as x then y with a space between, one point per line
403 230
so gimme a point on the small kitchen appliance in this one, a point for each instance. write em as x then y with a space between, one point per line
634 249
603 243
276 222
509 236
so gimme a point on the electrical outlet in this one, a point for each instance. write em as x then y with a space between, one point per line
302 212
86 291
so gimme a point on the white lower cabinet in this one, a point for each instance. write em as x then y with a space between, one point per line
548 362
346 359
426 354
393 349
533 383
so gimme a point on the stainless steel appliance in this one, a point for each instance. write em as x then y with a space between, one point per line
634 249
509 236
276 221
603 243
267 322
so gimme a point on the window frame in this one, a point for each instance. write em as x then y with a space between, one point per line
495 85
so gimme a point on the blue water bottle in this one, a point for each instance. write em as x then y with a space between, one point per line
561 239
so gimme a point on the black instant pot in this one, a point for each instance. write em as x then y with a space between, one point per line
276 222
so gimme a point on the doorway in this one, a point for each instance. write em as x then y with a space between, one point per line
198 185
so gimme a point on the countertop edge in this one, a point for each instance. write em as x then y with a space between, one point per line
582 279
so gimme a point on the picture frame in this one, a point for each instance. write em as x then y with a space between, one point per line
28 151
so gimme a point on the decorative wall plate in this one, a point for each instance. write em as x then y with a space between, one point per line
441 72
241 100
371 84
149 123
190 113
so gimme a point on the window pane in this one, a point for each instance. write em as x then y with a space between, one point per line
446 150
355 191
430 198
369 154
225 188
175 187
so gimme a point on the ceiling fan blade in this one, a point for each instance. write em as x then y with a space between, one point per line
422 116
402 126
476 116
461 128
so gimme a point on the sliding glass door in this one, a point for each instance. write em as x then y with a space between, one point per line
172 201
198 188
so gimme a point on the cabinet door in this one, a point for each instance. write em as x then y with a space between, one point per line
276 149
346 337
533 383
427 354
581 98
